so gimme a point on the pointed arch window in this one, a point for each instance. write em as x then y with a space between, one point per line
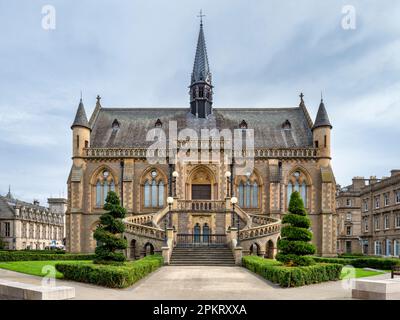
248 193
160 194
289 191
98 193
298 182
105 183
241 194
146 194
154 190
255 195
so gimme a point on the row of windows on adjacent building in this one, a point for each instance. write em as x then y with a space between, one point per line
392 247
387 200
387 222
5 229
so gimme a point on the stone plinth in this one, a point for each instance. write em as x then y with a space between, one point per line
388 289
23 291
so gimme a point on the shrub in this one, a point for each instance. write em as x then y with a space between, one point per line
292 276
112 276
109 232
34 256
295 243
371 262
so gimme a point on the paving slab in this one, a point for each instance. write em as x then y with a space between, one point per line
200 283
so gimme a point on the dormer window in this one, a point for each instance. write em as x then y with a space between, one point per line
158 123
286 125
115 125
243 125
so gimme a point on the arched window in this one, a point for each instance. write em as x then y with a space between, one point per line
297 181
241 194
105 183
98 193
160 194
154 194
255 195
154 190
289 191
248 193
146 194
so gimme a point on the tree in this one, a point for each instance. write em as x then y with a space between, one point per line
109 232
295 243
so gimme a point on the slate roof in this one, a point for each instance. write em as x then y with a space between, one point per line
322 119
80 117
201 68
7 207
266 122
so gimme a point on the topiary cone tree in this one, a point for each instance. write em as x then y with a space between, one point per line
294 246
109 232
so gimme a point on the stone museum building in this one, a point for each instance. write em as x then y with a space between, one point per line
369 216
31 226
187 203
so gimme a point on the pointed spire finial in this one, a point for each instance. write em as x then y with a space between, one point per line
301 97
322 98
201 15
81 96
9 195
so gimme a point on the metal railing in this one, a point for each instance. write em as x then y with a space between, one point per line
200 240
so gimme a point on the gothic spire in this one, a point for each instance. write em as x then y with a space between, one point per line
322 119
201 68
80 117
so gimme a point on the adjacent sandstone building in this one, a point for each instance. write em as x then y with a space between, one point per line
380 214
369 216
348 209
31 226
291 152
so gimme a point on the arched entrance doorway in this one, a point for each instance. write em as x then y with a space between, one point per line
201 185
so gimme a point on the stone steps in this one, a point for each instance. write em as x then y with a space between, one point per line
202 256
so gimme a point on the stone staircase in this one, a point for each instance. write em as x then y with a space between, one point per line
202 256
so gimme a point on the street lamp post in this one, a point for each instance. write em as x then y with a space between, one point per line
228 175
175 175
234 200
170 201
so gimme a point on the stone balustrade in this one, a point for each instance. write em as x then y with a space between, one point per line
201 205
260 231
143 230
256 153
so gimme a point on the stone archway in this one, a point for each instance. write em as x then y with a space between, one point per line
148 249
132 250
269 250
201 184
255 249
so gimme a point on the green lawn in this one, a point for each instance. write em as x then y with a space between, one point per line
359 273
35 267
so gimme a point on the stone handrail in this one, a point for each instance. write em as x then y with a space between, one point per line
201 205
159 215
142 219
260 231
245 216
143 230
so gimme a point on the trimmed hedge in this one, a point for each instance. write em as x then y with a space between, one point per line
35 251
111 275
35 256
375 263
292 276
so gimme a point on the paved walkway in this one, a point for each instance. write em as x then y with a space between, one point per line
199 283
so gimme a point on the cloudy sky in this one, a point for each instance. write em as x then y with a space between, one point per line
140 53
